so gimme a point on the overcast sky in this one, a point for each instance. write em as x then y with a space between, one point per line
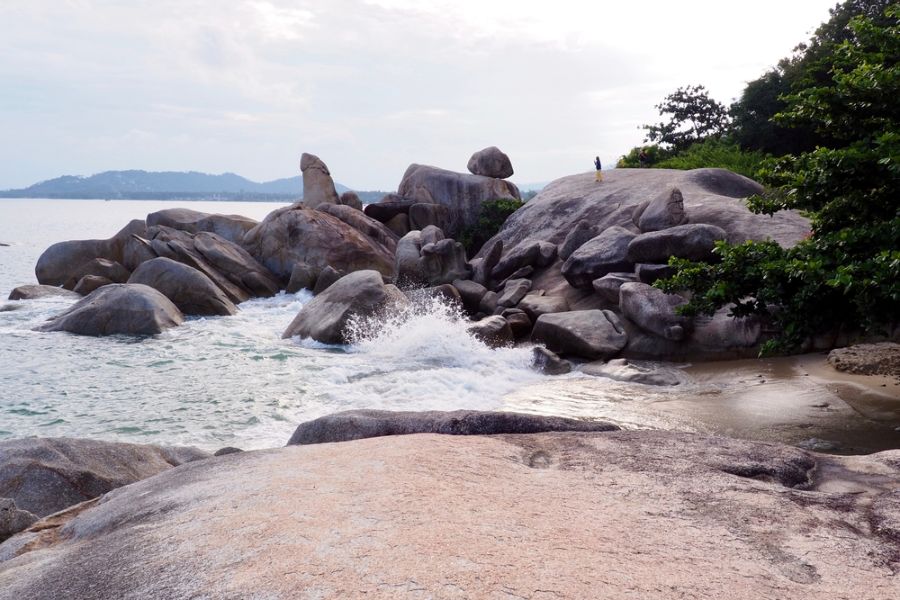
370 86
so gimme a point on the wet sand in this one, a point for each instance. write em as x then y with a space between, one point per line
799 400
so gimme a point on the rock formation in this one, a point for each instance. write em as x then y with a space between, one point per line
490 162
318 187
190 290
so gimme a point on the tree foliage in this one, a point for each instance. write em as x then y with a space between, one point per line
693 116
847 273
491 217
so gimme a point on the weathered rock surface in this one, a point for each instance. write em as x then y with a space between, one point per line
351 199
587 333
548 362
443 262
325 317
606 253
648 373
389 207
230 227
12 519
99 267
297 234
398 224
470 292
664 211
495 331
536 305
365 225
484 267
643 514
326 278
119 308
318 187
523 256
867 359
519 322
302 277
653 310
694 242
31 292
607 287
89 283
190 290
461 193
47 475
490 162
648 273
577 237
360 424
513 292
422 215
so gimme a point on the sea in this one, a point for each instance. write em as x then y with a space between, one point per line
217 381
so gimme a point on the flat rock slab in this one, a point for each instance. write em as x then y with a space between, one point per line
360 424
867 359
639 514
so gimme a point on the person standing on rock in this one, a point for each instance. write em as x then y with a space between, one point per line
643 158
599 167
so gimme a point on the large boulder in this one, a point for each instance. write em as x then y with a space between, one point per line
318 187
58 263
120 308
325 317
495 331
443 262
230 227
513 292
365 225
582 233
189 289
664 211
406 261
461 193
424 214
590 334
606 253
607 287
100 267
237 265
470 293
490 162
297 234
566 514
693 242
47 475
653 310
361 424
31 292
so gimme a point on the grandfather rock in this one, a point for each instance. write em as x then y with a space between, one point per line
693 242
606 253
119 308
490 162
318 187
653 310
189 289
586 333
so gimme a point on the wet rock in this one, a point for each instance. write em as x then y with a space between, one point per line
648 273
351 199
366 225
12 519
693 242
494 331
461 193
548 362
360 424
653 310
582 233
47 475
422 215
101 267
470 292
519 322
31 292
229 227
189 289
444 292
303 277
490 162
536 305
647 373
513 292
325 317
237 265
664 211
119 308
606 253
318 187
586 333
325 279
297 234
607 287
89 283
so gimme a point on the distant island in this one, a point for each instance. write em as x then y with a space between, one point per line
171 185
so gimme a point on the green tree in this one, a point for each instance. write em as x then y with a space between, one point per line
847 274
693 116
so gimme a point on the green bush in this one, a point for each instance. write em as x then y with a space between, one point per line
491 217
718 153
654 153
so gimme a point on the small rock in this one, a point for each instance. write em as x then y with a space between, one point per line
548 362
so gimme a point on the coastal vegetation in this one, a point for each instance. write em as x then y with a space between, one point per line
491 217
834 101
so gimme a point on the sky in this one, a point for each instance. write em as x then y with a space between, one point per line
369 86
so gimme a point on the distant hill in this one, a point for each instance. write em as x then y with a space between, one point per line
166 185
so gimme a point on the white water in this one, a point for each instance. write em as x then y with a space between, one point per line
223 380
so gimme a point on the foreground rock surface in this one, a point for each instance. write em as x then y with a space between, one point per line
564 515
868 359
123 308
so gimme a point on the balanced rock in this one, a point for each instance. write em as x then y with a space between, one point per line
318 187
230 227
495 331
606 253
693 242
586 333
653 310
326 316
119 308
297 234
31 292
189 289
490 162
361 424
